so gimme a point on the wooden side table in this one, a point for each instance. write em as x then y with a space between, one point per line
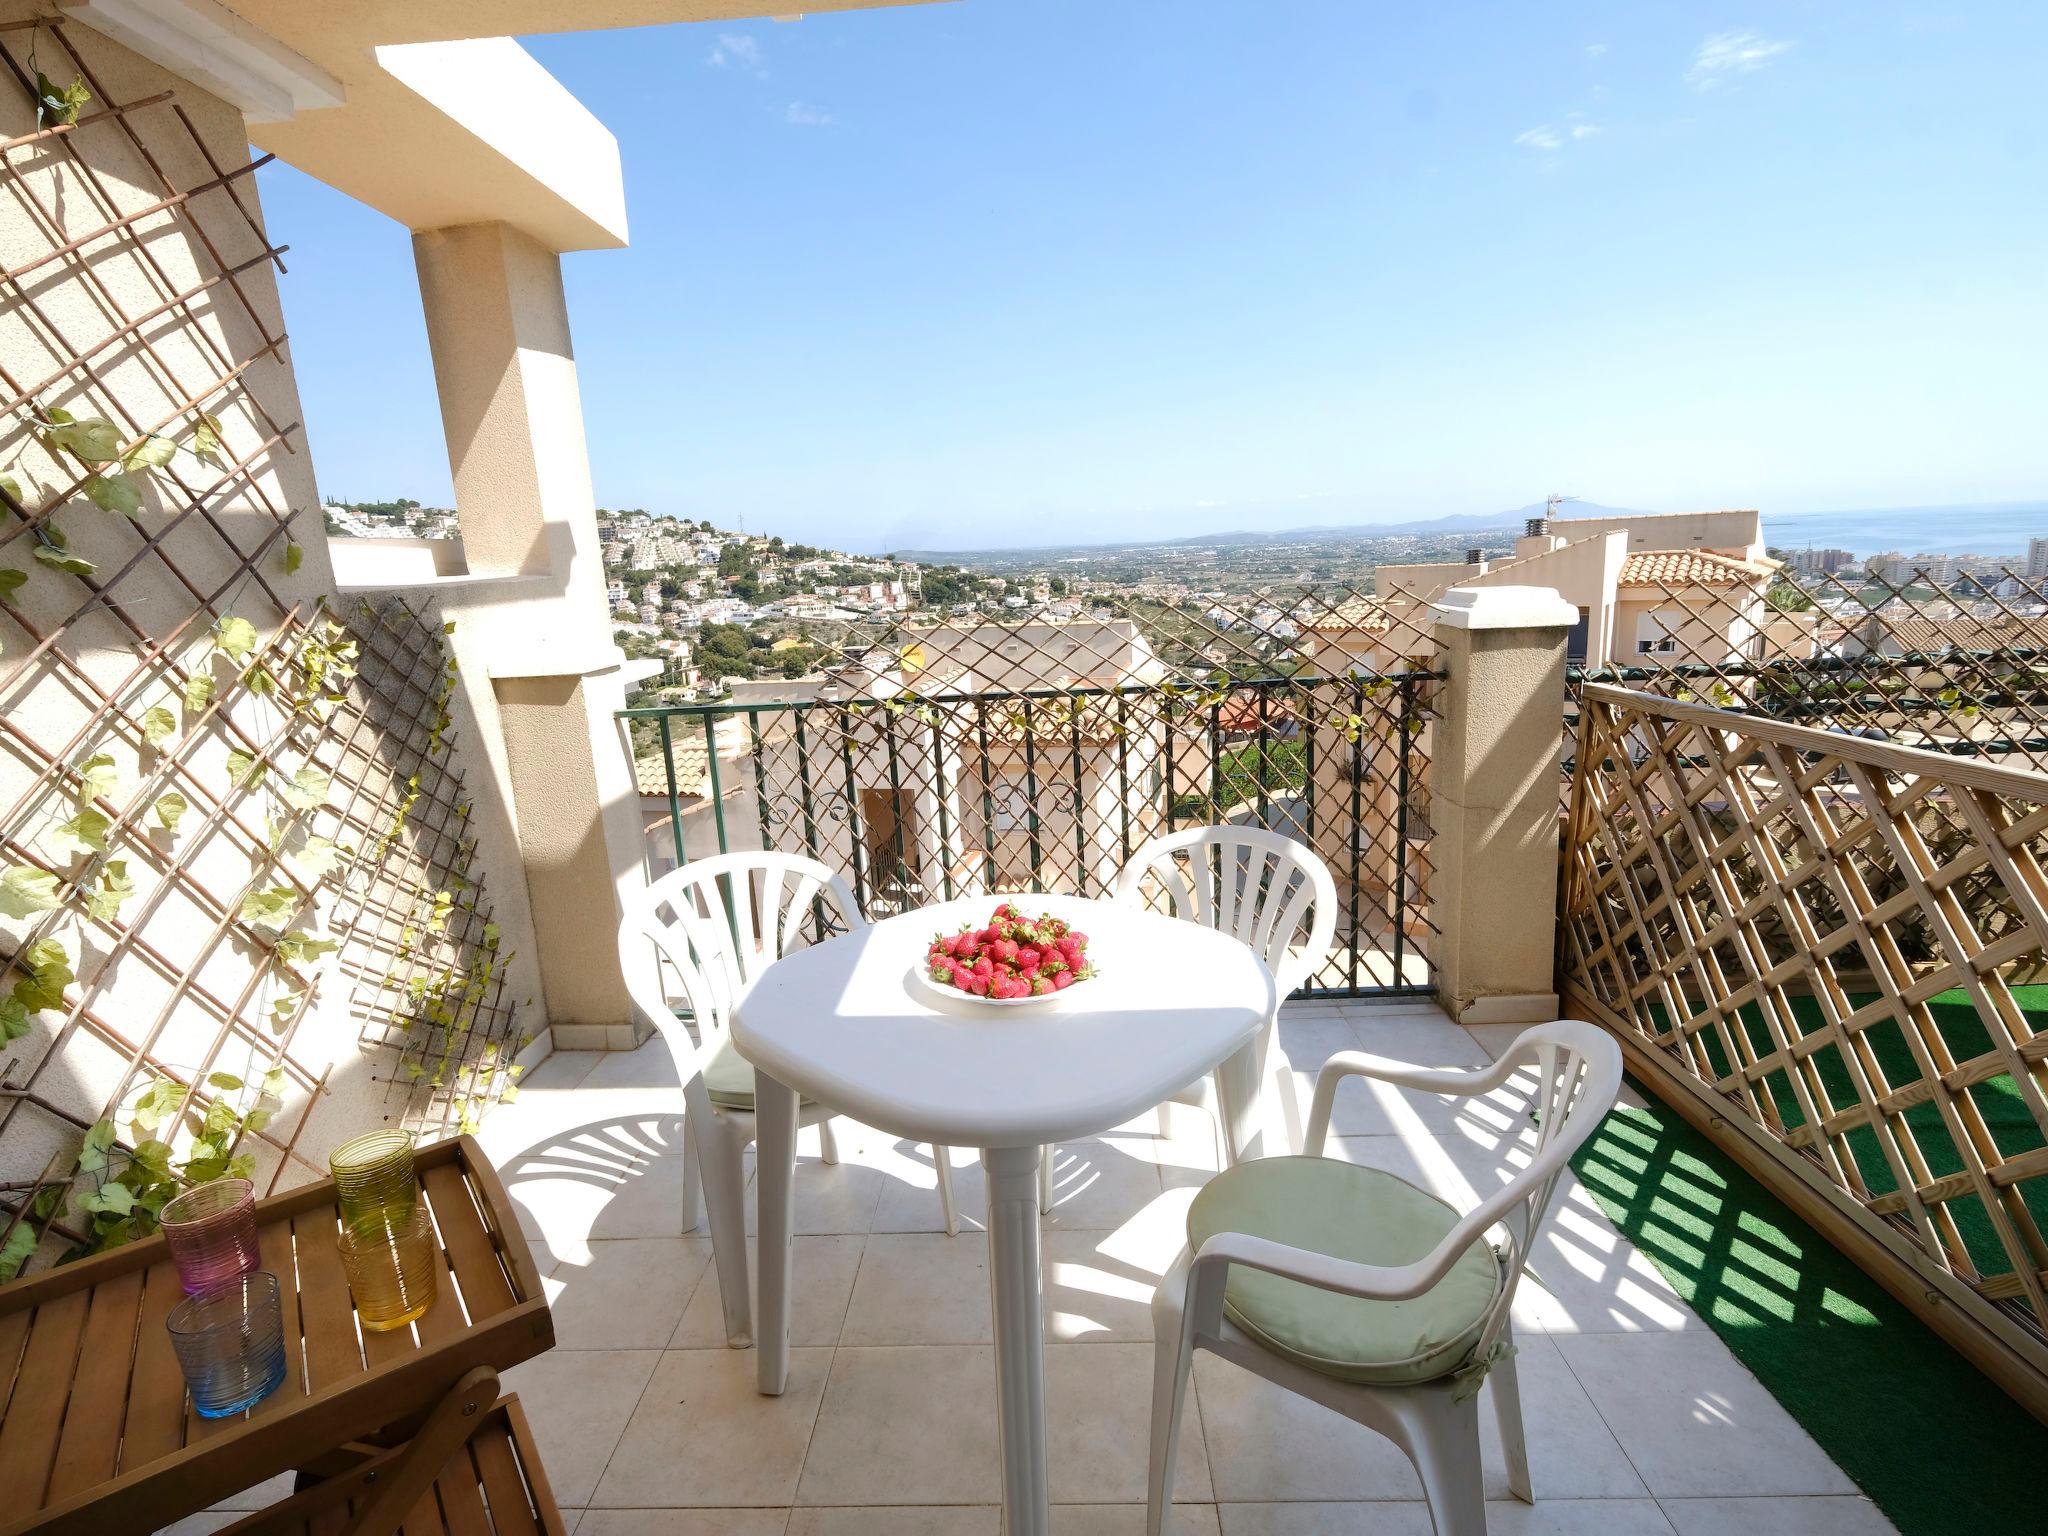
97 1434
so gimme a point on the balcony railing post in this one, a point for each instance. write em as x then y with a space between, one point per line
675 803
1494 805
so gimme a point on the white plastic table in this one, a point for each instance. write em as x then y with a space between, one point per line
840 1023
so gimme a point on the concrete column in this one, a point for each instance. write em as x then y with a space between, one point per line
498 327
1495 802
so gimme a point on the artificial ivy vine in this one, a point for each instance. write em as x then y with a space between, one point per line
112 482
89 877
130 1185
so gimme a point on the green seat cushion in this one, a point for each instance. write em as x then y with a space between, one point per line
729 1077
1348 1212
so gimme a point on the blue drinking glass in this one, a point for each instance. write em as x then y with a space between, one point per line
230 1344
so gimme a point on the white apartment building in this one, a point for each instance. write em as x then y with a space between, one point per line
1663 584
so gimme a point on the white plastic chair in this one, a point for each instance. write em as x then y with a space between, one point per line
1263 889
1434 1420
720 922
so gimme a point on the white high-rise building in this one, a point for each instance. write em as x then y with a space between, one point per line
2037 558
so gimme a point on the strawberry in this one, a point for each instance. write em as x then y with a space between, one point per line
1062 980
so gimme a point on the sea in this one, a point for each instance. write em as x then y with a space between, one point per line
1988 528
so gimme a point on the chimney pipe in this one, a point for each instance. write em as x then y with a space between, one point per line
1475 557
1535 527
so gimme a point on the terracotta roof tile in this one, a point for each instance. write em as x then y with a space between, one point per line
1688 568
692 770
1968 632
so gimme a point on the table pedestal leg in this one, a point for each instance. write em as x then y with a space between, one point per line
1014 1279
775 1113
1240 1084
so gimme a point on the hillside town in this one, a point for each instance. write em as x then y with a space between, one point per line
719 607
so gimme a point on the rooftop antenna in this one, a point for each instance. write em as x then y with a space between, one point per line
1553 501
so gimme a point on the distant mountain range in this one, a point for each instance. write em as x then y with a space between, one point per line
1477 522
1470 522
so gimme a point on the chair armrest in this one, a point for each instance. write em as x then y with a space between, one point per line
1324 1271
1451 1083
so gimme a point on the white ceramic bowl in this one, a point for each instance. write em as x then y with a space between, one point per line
922 985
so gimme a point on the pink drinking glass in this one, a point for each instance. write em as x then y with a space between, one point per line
211 1230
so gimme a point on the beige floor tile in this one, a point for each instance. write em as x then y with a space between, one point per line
910 1193
649 1204
821 1280
1547 1517
576 1181
652 1066
683 1522
909 1425
1267 1445
1129 1520
831 1198
1598 1281
704 1436
910 1197
562 1071
1097 1185
1098 1285
629 1294
1572 1454
1098 1400
1822 1516
556 1214
198 1525
983 1520
1692 1420
1577 1517
920 1288
578 1402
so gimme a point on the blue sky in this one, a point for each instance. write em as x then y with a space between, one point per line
1022 271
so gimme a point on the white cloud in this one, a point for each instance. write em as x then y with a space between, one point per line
735 50
803 115
1586 130
1544 137
1594 50
1732 53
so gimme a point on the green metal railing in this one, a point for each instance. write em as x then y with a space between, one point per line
924 797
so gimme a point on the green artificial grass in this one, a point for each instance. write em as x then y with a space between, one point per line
1997 1099
1934 1444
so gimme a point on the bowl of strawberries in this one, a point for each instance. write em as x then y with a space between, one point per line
1012 961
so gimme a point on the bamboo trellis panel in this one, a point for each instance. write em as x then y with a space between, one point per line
1825 944
206 777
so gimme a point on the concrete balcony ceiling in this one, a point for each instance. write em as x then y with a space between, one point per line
426 110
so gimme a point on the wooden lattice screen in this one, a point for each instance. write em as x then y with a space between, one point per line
215 791
1825 950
